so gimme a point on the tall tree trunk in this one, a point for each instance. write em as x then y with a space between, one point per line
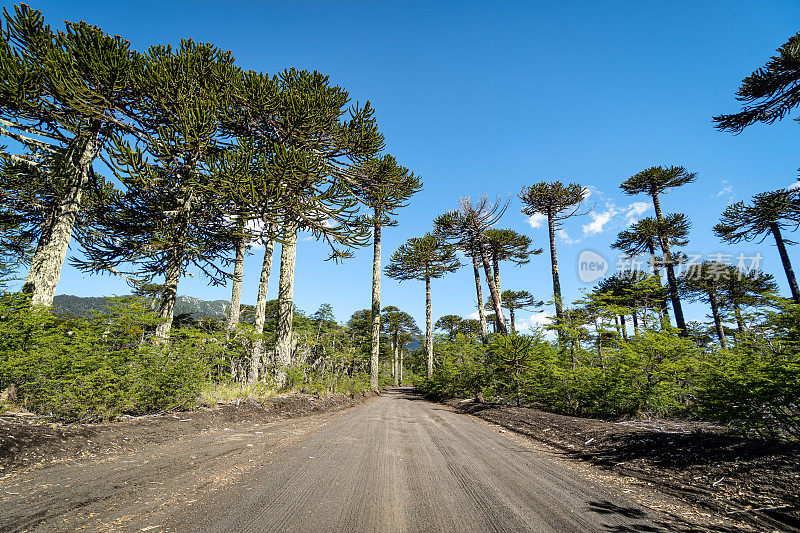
236 286
737 312
479 290
635 323
376 305
261 311
400 350
617 326
673 281
787 265
428 326
623 327
496 271
712 299
175 259
396 359
657 273
599 344
166 308
283 330
499 319
51 250
551 230
511 316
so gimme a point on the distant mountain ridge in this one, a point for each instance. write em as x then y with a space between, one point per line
184 305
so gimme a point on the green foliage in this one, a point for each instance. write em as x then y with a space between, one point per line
89 369
753 387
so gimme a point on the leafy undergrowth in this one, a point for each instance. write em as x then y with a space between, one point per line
754 479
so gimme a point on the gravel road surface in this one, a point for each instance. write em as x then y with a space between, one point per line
396 463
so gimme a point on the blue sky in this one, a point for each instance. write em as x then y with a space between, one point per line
484 98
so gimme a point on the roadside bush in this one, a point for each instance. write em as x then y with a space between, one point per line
97 368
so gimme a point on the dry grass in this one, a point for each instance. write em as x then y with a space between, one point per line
219 393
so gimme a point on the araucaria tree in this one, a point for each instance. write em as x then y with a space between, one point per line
557 202
316 141
769 93
401 328
168 217
466 228
507 245
384 186
643 236
769 213
705 282
62 96
516 300
655 181
424 258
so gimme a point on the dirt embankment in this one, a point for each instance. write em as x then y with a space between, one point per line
26 441
752 479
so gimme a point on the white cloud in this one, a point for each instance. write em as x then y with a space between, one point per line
474 316
564 236
537 220
634 211
795 185
600 219
725 190
539 319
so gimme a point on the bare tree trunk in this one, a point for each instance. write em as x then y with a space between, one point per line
737 312
166 308
496 271
551 230
481 310
635 323
511 315
236 286
623 327
261 311
428 326
787 265
376 305
283 330
499 319
712 299
51 250
657 274
400 350
395 359
673 281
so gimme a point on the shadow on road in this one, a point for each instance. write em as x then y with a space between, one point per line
606 507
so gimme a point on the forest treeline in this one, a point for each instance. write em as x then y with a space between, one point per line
154 163
174 159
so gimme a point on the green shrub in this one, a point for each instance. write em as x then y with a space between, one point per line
97 368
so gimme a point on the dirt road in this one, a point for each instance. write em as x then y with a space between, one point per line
396 463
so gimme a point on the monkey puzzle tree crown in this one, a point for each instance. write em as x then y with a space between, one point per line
62 94
656 180
508 245
768 210
553 198
769 93
316 139
385 186
421 258
643 235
